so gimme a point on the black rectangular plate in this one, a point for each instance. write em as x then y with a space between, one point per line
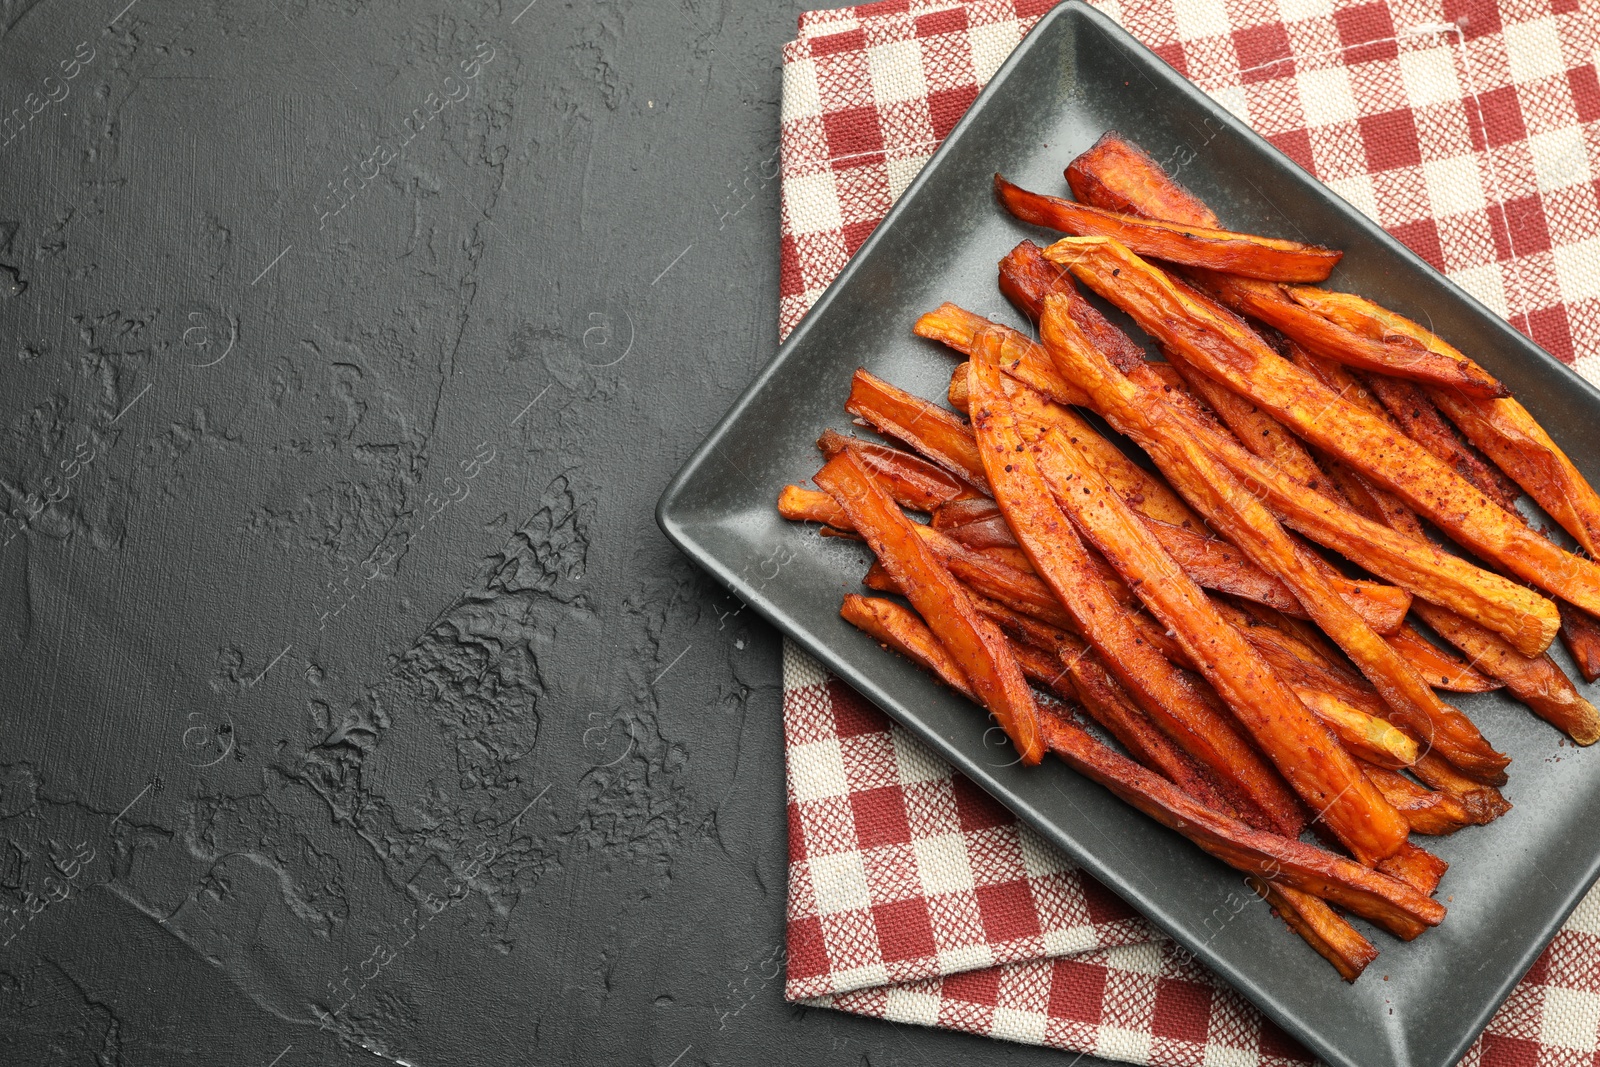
1077 75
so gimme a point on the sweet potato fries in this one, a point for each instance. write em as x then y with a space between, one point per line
1255 625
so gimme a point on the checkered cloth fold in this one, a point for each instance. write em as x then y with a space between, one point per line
1468 129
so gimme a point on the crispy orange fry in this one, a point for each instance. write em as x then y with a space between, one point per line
1248 255
913 481
1026 278
1535 680
1275 306
989 532
961 512
929 429
972 641
1409 405
1416 866
1012 557
1484 803
1428 812
799 504
1508 434
1580 632
1440 668
1144 492
956 327
1064 563
1118 175
1212 489
1223 348
1364 734
1324 929
899 628
1388 902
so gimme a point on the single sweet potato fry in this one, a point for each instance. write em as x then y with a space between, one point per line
1248 255
1537 681
914 482
961 512
990 532
938 434
972 641
1274 305
1365 735
1510 436
1118 175
1580 632
1388 902
1209 487
1226 350
1064 563
955 327
799 504
1324 929
1026 278
1440 668
1414 411
1011 557
1484 803
1429 812
1417 867
899 627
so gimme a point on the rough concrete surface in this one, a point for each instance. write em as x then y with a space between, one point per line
353 704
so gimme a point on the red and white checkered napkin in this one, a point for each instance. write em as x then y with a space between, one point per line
1469 130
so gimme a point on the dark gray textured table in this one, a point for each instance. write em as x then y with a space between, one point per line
353 704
